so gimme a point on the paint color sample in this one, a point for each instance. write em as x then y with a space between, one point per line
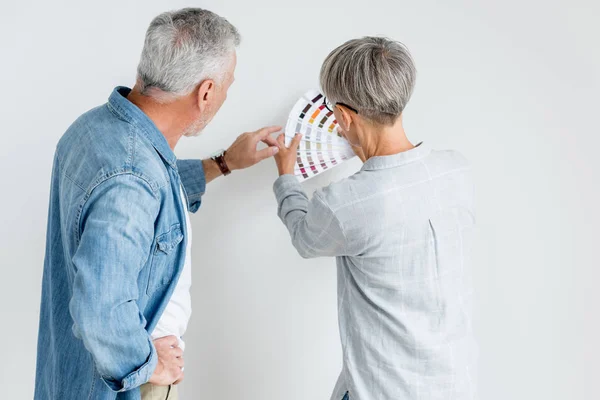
322 146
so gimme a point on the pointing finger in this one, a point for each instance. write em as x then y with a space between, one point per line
270 141
266 153
266 131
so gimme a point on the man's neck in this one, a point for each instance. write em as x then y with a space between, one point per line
170 119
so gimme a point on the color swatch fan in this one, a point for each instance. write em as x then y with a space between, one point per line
322 147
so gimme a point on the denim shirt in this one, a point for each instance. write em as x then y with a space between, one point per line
115 248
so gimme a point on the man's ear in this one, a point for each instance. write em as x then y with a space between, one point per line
205 93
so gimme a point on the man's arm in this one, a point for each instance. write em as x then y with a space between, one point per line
243 153
211 170
116 235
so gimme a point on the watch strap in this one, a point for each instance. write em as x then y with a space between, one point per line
220 160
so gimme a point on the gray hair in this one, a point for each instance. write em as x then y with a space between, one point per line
182 48
375 75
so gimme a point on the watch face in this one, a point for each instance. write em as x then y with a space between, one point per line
217 153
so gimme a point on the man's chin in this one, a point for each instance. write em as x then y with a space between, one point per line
196 129
193 134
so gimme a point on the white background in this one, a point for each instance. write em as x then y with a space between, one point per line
514 85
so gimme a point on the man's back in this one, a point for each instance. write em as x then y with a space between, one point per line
404 287
97 146
114 193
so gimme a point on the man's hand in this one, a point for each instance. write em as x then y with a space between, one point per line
243 153
169 369
286 157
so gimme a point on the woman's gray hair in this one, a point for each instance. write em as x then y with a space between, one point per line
182 48
375 75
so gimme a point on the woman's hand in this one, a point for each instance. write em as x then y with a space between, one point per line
286 157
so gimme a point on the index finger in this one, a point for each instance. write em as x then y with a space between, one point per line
266 131
269 140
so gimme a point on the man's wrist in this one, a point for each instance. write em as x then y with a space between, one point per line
157 372
230 161
221 162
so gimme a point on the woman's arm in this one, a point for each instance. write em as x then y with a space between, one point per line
313 226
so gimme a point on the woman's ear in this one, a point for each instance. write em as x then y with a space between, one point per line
345 119
205 94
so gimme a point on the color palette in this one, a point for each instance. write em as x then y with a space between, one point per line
322 147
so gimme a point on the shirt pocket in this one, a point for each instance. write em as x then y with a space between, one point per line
162 268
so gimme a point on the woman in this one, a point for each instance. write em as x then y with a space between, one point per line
400 230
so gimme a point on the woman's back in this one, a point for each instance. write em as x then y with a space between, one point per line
404 286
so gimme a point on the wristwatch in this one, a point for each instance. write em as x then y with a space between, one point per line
219 158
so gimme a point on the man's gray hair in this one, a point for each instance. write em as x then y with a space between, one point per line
183 48
375 75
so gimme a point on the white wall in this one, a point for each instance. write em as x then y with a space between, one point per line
512 84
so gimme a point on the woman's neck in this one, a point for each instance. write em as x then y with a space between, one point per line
386 140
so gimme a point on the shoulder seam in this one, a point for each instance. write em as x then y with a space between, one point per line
153 186
397 188
123 171
64 173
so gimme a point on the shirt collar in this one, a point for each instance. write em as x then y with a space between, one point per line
395 160
129 112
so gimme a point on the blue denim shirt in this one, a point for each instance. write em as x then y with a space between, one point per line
115 248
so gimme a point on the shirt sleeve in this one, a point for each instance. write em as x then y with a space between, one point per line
193 180
313 227
116 236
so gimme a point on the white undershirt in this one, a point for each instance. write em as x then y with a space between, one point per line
175 318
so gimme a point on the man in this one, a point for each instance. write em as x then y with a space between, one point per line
400 230
117 271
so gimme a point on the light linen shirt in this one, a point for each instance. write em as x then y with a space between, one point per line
400 230
174 320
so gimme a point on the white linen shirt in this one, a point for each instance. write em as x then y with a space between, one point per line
400 230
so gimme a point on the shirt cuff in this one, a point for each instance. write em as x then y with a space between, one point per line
137 377
283 184
193 180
